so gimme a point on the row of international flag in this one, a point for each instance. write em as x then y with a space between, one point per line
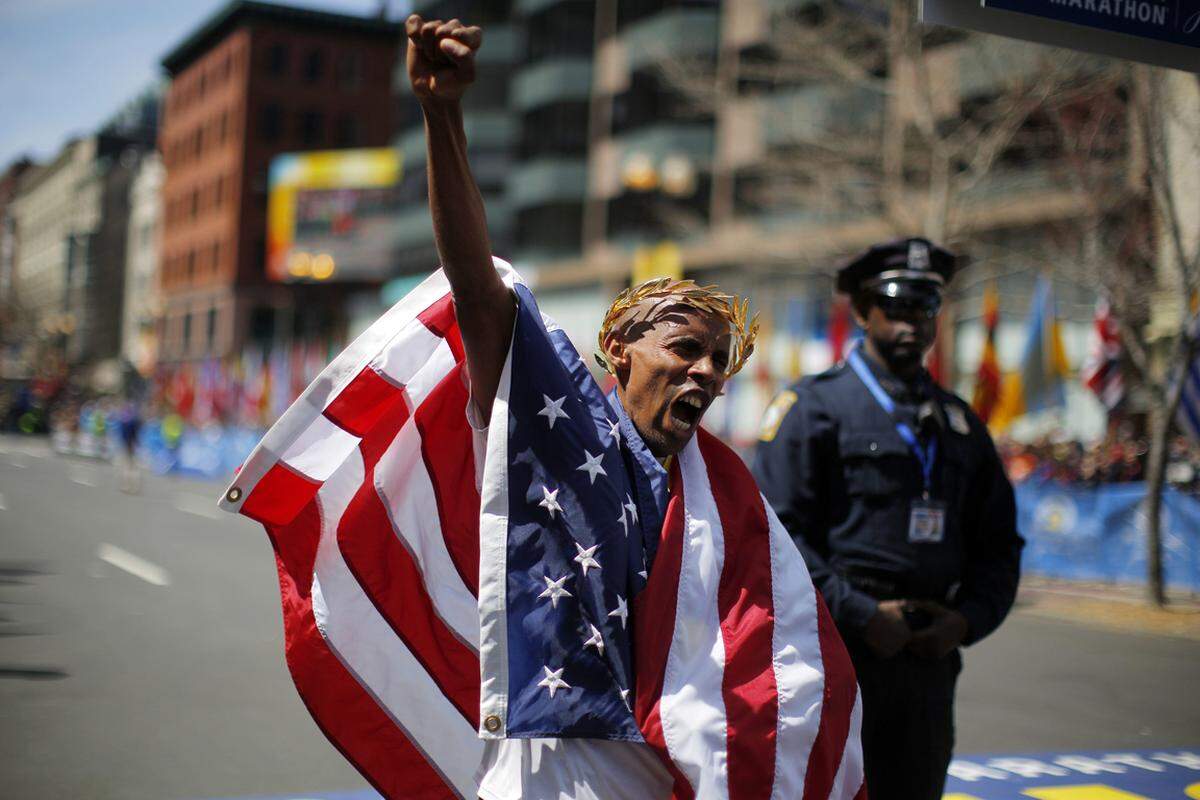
1039 381
251 389
255 387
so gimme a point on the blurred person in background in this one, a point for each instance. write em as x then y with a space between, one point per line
129 425
892 489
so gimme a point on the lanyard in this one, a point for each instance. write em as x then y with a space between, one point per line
925 455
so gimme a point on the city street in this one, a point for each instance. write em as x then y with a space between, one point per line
141 654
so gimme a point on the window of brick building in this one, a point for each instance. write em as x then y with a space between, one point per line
312 128
195 203
277 59
349 70
191 264
211 335
346 132
187 331
272 123
314 66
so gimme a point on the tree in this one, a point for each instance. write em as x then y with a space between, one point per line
889 120
879 126
881 115
1131 144
1166 111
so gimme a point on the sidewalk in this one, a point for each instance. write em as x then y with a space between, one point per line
1121 607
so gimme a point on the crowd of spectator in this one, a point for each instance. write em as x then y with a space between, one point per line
1117 459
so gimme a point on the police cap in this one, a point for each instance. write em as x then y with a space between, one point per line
901 268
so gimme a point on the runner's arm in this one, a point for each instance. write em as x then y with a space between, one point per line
441 65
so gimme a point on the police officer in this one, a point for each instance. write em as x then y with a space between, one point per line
892 489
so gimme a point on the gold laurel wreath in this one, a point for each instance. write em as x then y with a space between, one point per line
708 299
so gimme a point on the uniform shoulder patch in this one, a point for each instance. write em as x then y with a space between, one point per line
775 413
957 419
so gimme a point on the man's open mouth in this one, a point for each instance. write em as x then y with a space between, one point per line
687 410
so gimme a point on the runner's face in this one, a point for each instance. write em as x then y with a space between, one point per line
671 374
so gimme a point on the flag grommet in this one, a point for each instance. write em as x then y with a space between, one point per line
491 723
233 495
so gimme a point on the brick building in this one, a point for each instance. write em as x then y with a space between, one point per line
252 82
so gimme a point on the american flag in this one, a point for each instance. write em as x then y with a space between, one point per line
1102 371
441 588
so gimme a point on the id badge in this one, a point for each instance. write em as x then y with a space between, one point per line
927 523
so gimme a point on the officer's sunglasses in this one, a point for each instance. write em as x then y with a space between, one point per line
927 306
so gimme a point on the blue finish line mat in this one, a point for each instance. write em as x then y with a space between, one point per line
1165 774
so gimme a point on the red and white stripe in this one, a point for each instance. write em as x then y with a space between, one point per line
745 687
367 488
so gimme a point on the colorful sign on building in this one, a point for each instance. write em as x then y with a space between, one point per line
331 215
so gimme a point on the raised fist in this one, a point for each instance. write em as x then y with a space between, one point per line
441 58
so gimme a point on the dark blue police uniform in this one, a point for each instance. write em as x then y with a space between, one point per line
843 480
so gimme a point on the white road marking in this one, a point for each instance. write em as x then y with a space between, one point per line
82 478
134 565
2 506
197 504
17 464
26 450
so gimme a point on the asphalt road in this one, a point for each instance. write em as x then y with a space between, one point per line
141 654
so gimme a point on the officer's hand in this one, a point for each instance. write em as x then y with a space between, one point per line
946 632
441 58
887 633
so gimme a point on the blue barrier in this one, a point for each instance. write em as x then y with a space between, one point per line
211 452
1072 531
1099 533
